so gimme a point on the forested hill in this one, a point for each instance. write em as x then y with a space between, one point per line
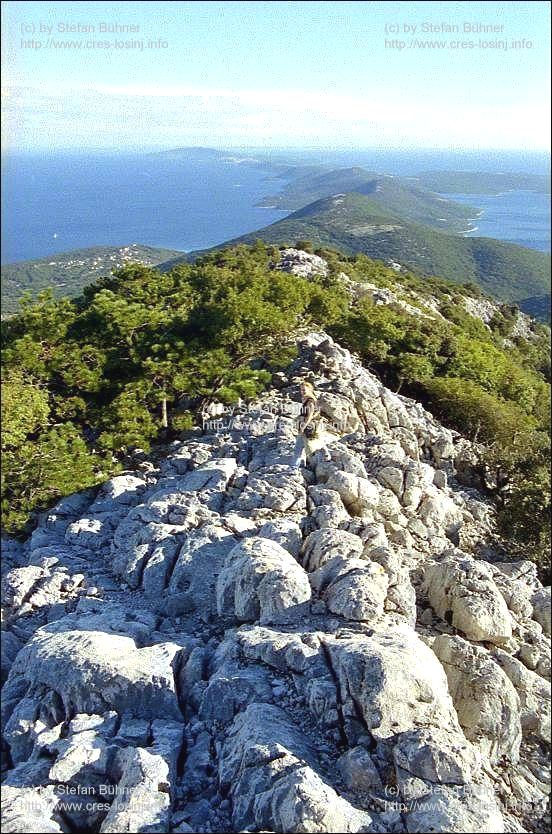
134 361
354 223
403 196
67 273
387 218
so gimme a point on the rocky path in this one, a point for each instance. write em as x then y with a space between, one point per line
222 642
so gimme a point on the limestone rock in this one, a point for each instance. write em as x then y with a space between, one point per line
233 642
473 809
285 533
91 669
29 810
269 767
434 756
359 771
142 801
328 508
259 580
462 591
541 608
358 494
395 679
533 692
10 645
354 588
487 704
326 543
18 583
301 263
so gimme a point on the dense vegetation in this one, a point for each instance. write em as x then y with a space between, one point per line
87 380
131 361
353 223
67 273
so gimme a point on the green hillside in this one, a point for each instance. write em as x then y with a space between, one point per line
394 194
354 223
67 273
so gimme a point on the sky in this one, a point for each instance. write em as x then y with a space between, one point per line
275 74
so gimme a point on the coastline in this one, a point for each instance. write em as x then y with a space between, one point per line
513 216
471 229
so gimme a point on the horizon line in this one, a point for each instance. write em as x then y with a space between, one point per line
314 148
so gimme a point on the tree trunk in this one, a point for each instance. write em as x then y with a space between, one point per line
164 416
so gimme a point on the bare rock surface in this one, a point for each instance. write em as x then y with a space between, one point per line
221 641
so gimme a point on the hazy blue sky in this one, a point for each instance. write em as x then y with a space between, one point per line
276 73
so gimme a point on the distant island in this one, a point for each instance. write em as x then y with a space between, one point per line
280 164
482 182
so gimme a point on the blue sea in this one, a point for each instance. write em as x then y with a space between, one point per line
61 202
57 202
521 217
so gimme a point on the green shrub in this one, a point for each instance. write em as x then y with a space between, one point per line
85 381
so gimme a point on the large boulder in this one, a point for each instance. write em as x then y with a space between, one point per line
260 580
354 588
541 608
142 801
393 679
462 592
301 263
285 532
199 561
117 493
231 689
487 704
358 494
136 541
435 756
270 768
340 412
279 488
325 544
359 771
534 695
327 508
92 668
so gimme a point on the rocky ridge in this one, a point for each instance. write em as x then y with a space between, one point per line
307 265
221 641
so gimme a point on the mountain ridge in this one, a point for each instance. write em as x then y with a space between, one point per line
397 195
225 627
353 223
